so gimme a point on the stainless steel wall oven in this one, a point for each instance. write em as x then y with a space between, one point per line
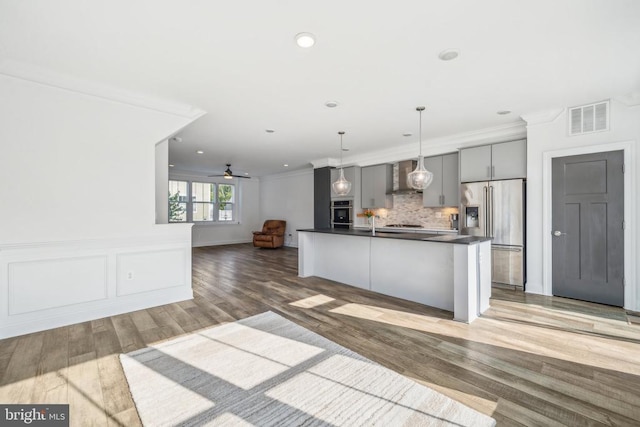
342 213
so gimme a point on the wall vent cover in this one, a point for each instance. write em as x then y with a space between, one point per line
589 118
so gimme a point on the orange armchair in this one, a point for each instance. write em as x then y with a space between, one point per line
272 234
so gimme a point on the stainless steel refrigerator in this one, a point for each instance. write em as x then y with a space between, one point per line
496 209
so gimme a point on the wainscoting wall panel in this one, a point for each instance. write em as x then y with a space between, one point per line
32 283
150 271
52 284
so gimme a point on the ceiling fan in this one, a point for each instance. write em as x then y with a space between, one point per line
227 174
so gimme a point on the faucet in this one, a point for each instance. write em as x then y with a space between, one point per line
373 225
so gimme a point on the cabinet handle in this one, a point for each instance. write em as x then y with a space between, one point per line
442 202
489 171
493 171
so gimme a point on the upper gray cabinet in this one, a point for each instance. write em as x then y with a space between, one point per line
349 175
475 164
376 183
505 160
509 160
443 190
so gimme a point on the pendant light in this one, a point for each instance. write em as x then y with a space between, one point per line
341 187
420 178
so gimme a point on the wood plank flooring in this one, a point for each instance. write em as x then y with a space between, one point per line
530 360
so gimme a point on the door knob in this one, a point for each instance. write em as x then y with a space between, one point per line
558 233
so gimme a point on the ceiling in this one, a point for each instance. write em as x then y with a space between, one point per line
378 60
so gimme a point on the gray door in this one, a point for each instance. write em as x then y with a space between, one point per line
587 218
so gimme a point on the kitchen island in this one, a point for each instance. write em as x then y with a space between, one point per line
446 271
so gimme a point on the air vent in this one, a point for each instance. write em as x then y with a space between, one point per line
589 118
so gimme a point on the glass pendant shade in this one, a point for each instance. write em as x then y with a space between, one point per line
420 178
341 187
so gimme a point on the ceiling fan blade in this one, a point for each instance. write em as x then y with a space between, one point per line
228 174
232 176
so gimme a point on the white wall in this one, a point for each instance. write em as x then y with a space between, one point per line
76 166
248 193
551 136
288 196
78 238
162 182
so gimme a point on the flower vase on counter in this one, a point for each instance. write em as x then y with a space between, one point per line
371 219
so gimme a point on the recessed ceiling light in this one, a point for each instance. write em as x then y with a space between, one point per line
170 165
246 173
503 112
200 152
407 134
449 54
305 40
269 130
286 165
331 104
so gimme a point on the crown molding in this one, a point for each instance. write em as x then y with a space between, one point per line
291 174
541 117
28 72
437 146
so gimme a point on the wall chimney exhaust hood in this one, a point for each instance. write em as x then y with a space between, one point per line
400 172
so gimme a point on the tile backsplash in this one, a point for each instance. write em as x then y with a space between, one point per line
408 209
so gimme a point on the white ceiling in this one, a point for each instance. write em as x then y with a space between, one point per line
237 60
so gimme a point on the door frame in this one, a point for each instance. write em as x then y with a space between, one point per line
630 201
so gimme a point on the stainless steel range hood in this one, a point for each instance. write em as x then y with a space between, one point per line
400 171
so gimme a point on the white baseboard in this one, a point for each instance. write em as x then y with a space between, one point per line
84 313
221 242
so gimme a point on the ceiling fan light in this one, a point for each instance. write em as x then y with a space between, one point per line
228 174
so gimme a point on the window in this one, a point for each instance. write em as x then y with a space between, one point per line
202 202
178 201
225 202
203 197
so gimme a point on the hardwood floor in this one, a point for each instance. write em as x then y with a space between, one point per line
530 360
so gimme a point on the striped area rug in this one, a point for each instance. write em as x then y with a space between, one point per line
268 371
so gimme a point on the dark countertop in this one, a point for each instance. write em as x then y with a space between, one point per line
423 237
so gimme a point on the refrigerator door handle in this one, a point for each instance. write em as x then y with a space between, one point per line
491 210
485 203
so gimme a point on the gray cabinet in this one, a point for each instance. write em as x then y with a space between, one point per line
349 175
321 198
505 160
509 160
475 164
443 190
376 183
